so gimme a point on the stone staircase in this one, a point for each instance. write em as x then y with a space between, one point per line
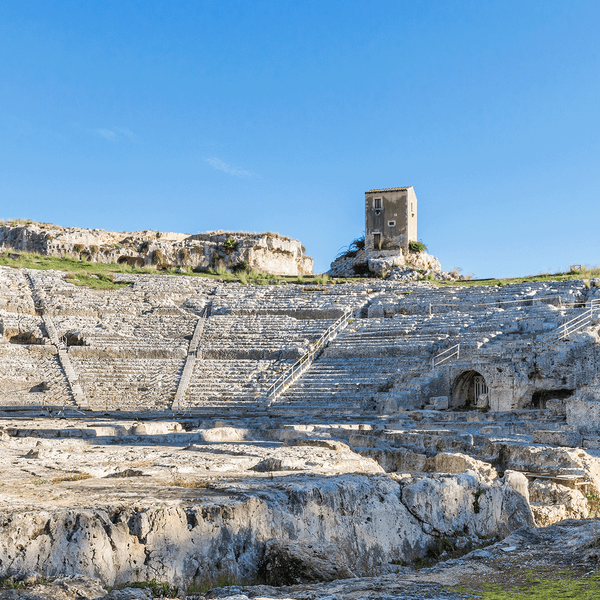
192 355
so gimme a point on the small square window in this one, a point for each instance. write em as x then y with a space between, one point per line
391 223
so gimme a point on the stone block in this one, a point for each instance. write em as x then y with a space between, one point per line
557 438
439 403
557 406
584 412
591 443
381 265
483 401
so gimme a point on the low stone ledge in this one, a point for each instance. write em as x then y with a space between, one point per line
569 439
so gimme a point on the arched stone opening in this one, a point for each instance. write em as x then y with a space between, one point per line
468 387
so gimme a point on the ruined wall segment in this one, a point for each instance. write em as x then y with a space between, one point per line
266 252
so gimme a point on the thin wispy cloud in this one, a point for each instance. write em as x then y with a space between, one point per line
115 133
219 165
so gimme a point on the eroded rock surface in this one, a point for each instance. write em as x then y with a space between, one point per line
140 437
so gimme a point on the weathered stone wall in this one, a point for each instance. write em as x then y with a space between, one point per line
265 252
392 214
348 525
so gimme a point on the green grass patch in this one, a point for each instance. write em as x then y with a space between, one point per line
564 586
200 587
70 265
570 276
158 589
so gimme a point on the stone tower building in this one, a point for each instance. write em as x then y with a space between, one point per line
390 218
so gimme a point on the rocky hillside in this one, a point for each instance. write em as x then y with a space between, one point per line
264 252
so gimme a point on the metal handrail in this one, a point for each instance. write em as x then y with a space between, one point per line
303 363
455 350
571 326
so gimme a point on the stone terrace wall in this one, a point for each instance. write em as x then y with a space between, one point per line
265 252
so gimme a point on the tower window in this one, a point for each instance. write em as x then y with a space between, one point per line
391 223
376 202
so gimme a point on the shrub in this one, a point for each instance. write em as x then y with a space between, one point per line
240 266
417 247
354 247
184 255
79 248
230 245
94 249
198 249
223 273
159 589
158 257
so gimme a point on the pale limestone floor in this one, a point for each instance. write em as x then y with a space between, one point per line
53 472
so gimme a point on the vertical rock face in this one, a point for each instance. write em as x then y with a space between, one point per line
265 252
358 523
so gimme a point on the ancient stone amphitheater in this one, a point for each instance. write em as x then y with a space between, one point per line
203 433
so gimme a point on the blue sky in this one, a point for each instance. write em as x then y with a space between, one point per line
279 115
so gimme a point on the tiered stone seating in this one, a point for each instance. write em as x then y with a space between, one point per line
31 376
231 384
15 292
425 322
255 332
257 336
128 384
303 301
339 385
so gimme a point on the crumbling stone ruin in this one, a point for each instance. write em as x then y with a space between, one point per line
195 432
265 252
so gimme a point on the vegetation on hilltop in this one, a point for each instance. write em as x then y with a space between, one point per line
352 249
584 273
101 275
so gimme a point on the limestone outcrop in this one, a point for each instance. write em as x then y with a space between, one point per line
395 265
552 555
266 252
255 531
